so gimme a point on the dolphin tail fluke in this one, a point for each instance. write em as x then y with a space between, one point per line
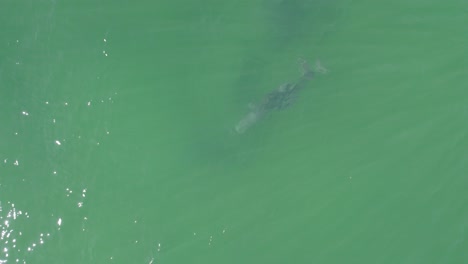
308 71
318 67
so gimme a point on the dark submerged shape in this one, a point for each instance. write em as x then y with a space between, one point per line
280 98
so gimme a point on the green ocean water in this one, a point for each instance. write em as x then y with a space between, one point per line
118 144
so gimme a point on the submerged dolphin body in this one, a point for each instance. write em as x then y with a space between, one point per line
279 98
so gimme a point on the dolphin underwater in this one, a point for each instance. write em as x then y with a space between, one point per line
280 98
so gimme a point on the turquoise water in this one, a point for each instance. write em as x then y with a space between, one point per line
118 141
